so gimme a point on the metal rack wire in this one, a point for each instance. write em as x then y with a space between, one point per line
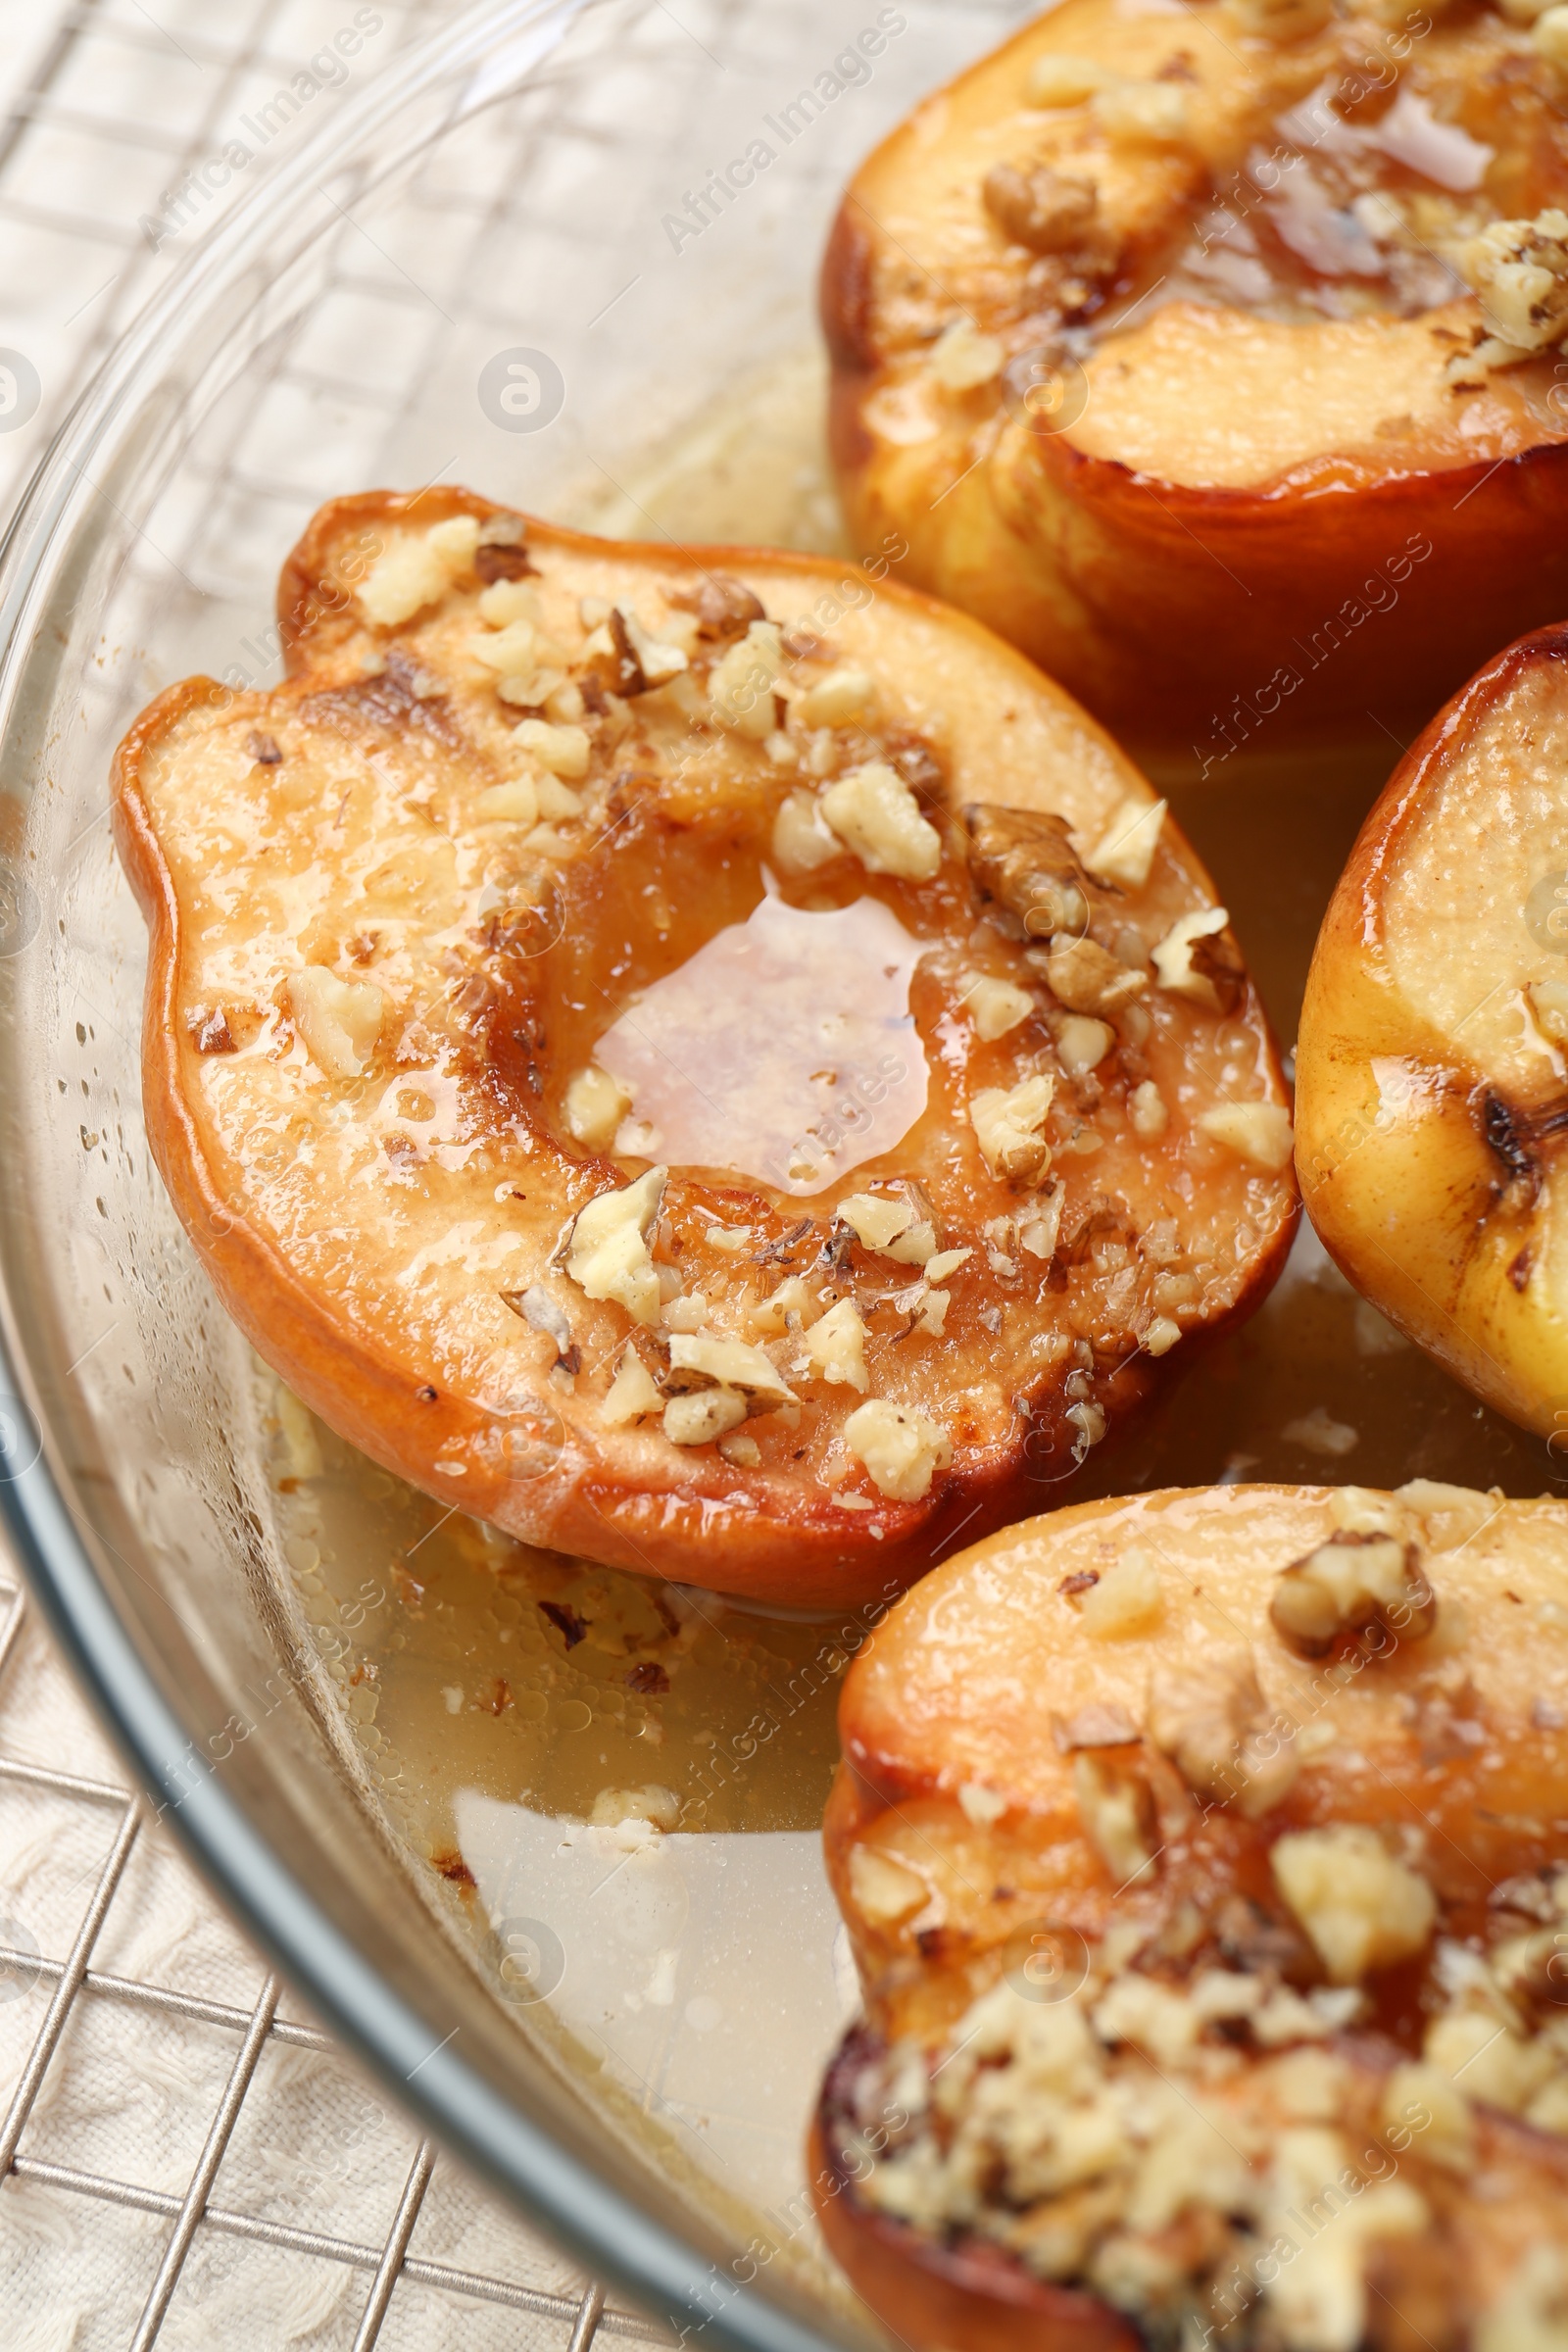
120 102
76 1981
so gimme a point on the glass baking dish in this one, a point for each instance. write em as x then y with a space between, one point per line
566 252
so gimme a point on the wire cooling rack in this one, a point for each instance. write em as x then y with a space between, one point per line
106 107
68 1983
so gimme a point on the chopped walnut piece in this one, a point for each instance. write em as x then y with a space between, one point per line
1212 1721
835 1348
741 685
607 1256
1519 269
339 1020
1038 209
1261 1131
874 813
902 1449
882 1889
963 358
1362 1909
634 1395
993 1006
801 841
1198 959
1117 1810
1125 1598
1056 80
1008 1126
845 695
1352 1581
595 1105
703 1415
1105 1726
1026 864
725 605
417 570
502 553
696 1358
1087 978
1125 852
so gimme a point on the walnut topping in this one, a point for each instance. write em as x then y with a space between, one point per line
993 1006
609 1257
1108 1726
703 1415
1125 1598
1117 1807
742 684
1261 1131
1026 864
725 605
1087 978
1198 959
901 1449
963 358
1213 1723
892 1225
339 1020
1008 1127
845 695
874 813
1125 854
1038 209
1519 268
595 1105
1362 1909
697 1360
801 839
634 1395
1350 1582
835 1348
502 553
417 570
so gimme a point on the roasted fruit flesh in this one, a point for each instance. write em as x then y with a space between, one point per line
1433 1071
1206 1864
728 1072
1173 345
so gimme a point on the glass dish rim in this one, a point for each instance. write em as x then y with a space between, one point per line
594 2221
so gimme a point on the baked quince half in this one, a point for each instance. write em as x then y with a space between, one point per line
1206 1861
701 1061
1433 1060
1212 354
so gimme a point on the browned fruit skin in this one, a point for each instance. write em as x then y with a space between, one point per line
310 1271
985 1683
1193 599
1430 1106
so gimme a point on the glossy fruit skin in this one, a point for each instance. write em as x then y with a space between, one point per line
1445 1211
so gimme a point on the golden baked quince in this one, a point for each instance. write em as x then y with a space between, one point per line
700 1060
1432 1060
1212 355
1206 1861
